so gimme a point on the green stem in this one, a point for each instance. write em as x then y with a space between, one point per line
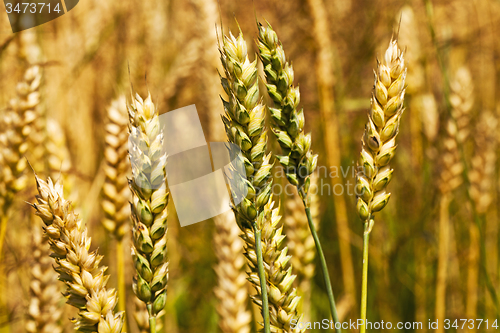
262 278
152 319
324 268
122 297
364 285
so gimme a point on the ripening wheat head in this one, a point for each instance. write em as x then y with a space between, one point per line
44 312
17 123
287 120
244 123
379 139
149 204
77 267
283 299
115 189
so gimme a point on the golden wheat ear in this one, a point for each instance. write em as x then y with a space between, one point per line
378 148
15 127
77 267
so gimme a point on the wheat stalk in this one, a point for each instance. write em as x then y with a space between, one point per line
77 267
288 126
325 49
44 313
231 294
378 147
301 243
149 206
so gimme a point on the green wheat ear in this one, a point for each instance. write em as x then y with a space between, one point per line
287 119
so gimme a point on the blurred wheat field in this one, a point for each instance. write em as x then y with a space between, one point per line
434 250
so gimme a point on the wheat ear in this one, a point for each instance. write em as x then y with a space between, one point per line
244 123
288 126
16 127
283 299
149 206
44 313
452 168
231 294
116 194
115 190
378 147
288 122
77 267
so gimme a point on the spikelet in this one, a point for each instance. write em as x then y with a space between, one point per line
244 123
16 128
481 175
149 204
77 267
115 190
379 139
44 313
288 122
231 293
